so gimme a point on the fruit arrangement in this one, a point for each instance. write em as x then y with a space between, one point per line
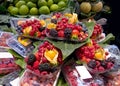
97 66
3 37
30 27
30 78
97 31
91 50
66 27
45 58
35 7
89 7
7 65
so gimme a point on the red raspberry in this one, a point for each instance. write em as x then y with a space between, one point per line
109 65
36 64
100 68
61 33
44 73
97 63
37 71
29 67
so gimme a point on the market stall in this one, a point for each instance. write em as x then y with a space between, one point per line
57 43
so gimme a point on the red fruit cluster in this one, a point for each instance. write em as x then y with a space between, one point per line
33 61
47 45
4 36
36 26
76 30
97 31
87 51
7 65
97 66
69 73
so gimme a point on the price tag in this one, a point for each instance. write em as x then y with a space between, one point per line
5 55
83 72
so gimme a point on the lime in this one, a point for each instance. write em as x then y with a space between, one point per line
23 10
44 10
61 4
42 3
54 7
14 11
9 8
34 1
34 11
20 3
30 4
50 2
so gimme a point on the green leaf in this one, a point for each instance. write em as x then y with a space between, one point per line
67 48
108 38
90 26
21 63
15 54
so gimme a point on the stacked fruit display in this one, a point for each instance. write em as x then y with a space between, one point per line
44 64
66 27
95 57
47 55
31 27
35 7
90 7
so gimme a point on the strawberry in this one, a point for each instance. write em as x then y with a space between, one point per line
36 64
61 33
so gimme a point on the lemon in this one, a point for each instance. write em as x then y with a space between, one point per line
34 11
42 3
20 3
23 10
54 7
61 4
44 10
14 11
85 7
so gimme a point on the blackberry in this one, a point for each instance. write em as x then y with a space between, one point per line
104 64
41 29
54 21
92 64
45 67
67 32
31 59
53 33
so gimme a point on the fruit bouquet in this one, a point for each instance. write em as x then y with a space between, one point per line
32 27
97 59
65 26
44 65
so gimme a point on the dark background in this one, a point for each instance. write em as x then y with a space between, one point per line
113 24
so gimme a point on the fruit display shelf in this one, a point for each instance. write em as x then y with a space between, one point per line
61 37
